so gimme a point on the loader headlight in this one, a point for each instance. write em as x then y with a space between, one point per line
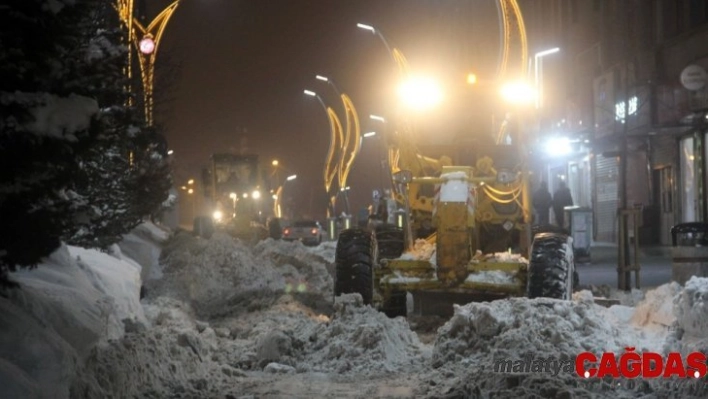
218 215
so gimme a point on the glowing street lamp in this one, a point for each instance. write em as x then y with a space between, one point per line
278 196
538 73
396 54
350 146
335 144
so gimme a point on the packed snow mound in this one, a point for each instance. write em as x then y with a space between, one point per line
75 300
327 250
656 309
143 245
691 308
222 275
517 326
216 276
180 356
364 340
471 344
306 270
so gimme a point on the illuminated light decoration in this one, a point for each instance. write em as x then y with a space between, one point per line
147 48
420 93
147 45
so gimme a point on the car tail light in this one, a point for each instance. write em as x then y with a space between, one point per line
286 231
314 232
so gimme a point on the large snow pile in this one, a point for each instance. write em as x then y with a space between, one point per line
471 344
307 271
327 250
222 275
691 308
215 276
182 357
363 339
75 300
519 326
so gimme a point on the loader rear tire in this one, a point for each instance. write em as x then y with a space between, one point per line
551 271
354 261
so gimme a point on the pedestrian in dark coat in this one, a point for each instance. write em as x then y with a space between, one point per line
561 199
542 201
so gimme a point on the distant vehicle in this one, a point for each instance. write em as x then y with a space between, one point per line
310 232
237 196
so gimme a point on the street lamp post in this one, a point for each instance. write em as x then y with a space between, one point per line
335 144
352 139
538 73
234 199
277 197
396 54
384 155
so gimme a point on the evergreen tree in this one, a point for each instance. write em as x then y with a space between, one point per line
44 126
121 178
65 134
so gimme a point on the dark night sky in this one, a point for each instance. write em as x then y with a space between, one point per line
243 65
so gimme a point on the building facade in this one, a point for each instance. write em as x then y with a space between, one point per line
616 91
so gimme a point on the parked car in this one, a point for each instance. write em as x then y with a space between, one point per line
310 232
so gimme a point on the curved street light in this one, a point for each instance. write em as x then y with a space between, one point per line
277 197
351 145
335 143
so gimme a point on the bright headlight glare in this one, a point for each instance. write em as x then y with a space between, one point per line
518 93
256 194
218 215
558 146
420 93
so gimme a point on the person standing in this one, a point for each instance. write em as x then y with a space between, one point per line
561 199
542 201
